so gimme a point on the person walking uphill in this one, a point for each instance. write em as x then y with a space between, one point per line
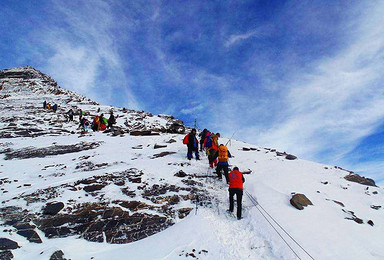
223 155
193 145
211 145
236 180
202 135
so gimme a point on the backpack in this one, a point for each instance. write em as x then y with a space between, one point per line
186 139
208 142
223 153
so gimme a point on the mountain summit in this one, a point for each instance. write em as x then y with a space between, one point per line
130 193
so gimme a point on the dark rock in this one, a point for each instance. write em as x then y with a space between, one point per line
246 149
92 220
358 220
95 187
180 174
138 147
182 213
6 255
375 192
175 126
6 244
32 152
57 255
171 141
162 154
117 131
142 133
53 208
339 203
375 207
134 205
128 192
359 179
353 217
325 182
30 235
300 201
174 200
290 157
370 222
157 146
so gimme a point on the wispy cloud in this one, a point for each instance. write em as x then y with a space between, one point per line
338 102
85 55
258 32
192 109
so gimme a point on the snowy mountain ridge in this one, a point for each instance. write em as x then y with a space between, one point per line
130 193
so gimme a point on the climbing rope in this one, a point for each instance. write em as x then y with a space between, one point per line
256 203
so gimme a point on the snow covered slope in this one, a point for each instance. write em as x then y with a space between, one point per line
134 197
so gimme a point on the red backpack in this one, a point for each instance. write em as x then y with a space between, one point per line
186 139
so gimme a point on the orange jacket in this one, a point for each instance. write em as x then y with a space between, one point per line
236 179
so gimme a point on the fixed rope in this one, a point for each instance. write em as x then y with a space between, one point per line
256 203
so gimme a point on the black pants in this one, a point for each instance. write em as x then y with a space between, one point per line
192 149
223 167
239 197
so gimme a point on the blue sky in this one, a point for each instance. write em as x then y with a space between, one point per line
302 76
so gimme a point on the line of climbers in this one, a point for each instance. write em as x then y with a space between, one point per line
49 106
99 122
218 155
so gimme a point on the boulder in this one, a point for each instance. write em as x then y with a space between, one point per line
300 201
180 174
370 222
6 255
57 255
30 235
162 154
290 157
95 187
6 243
353 177
53 208
157 146
171 141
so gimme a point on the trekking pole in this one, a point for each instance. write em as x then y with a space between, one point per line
231 137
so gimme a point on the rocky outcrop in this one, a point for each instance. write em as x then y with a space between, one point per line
300 201
91 221
142 133
32 152
6 244
353 177
352 216
53 208
57 255
6 255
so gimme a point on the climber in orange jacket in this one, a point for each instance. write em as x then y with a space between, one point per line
236 180
223 155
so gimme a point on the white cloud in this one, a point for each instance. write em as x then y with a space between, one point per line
339 102
258 32
192 110
85 55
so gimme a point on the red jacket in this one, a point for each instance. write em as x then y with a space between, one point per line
236 180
